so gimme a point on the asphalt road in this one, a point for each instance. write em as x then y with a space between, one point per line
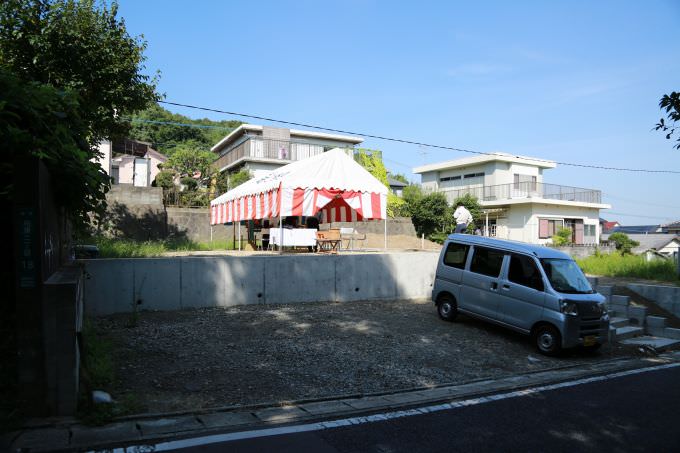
627 414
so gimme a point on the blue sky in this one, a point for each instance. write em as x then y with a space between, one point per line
569 81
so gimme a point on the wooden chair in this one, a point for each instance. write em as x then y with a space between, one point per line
328 241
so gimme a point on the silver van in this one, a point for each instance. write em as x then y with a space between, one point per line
532 289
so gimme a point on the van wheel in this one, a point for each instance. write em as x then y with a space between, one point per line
548 340
447 308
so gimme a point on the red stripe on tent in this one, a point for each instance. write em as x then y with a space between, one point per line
224 212
262 213
375 205
298 200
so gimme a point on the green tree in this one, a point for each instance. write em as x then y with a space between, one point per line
165 179
401 178
371 160
80 60
562 237
192 163
623 243
471 204
431 214
671 104
169 131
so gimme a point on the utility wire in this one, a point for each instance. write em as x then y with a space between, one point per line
409 142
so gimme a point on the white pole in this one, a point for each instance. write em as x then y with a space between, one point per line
239 235
422 241
486 228
280 233
385 232
354 231
211 233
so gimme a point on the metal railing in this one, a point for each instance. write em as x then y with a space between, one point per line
526 190
267 148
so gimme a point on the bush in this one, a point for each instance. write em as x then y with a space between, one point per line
431 214
623 243
189 183
562 237
165 179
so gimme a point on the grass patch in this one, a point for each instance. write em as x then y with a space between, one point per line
127 248
98 373
635 266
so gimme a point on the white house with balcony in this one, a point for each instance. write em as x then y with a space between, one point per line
261 149
517 203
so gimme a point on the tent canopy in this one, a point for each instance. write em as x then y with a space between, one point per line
331 182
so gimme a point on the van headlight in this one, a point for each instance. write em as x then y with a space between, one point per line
569 308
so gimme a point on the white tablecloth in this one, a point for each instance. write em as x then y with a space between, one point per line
297 237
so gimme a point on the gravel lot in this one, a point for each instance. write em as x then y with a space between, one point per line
187 360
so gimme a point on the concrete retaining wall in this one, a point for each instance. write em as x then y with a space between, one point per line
584 251
667 297
114 285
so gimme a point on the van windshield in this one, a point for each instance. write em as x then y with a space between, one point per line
565 276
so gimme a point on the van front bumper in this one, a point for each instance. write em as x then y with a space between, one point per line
585 331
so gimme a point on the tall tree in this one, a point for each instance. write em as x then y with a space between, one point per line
85 53
671 104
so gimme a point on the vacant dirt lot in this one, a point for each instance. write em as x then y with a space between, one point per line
204 358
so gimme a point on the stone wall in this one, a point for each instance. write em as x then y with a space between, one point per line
194 224
583 251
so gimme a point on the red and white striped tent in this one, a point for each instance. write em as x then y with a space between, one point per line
331 182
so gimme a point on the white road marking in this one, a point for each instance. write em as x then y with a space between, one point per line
319 426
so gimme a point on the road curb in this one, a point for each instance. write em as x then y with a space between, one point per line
153 428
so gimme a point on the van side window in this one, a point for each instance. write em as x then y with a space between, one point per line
456 255
487 262
523 271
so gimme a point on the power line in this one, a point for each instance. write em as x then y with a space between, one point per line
638 215
409 142
646 203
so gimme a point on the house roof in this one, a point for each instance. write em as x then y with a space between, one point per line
244 128
492 157
650 241
673 225
636 229
610 225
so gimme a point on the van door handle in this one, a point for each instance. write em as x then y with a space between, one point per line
494 286
506 287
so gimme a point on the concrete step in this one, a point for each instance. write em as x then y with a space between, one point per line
624 333
657 343
618 321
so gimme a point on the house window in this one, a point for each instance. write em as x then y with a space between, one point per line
589 230
526 182
548 227
473 175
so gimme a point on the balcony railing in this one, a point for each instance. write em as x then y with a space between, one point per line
527 190
267 148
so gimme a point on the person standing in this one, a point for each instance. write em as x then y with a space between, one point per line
462 217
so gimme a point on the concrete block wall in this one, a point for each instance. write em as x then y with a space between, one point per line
114 285
667 297
131 195
194 224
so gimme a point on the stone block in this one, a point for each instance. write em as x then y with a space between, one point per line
605 290
280 414
226 419
151 428
655 321
89 436
619 300
671 332
42 439
325 407
637 315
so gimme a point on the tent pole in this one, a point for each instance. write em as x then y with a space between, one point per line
239 235
486 230
280 233
385 232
